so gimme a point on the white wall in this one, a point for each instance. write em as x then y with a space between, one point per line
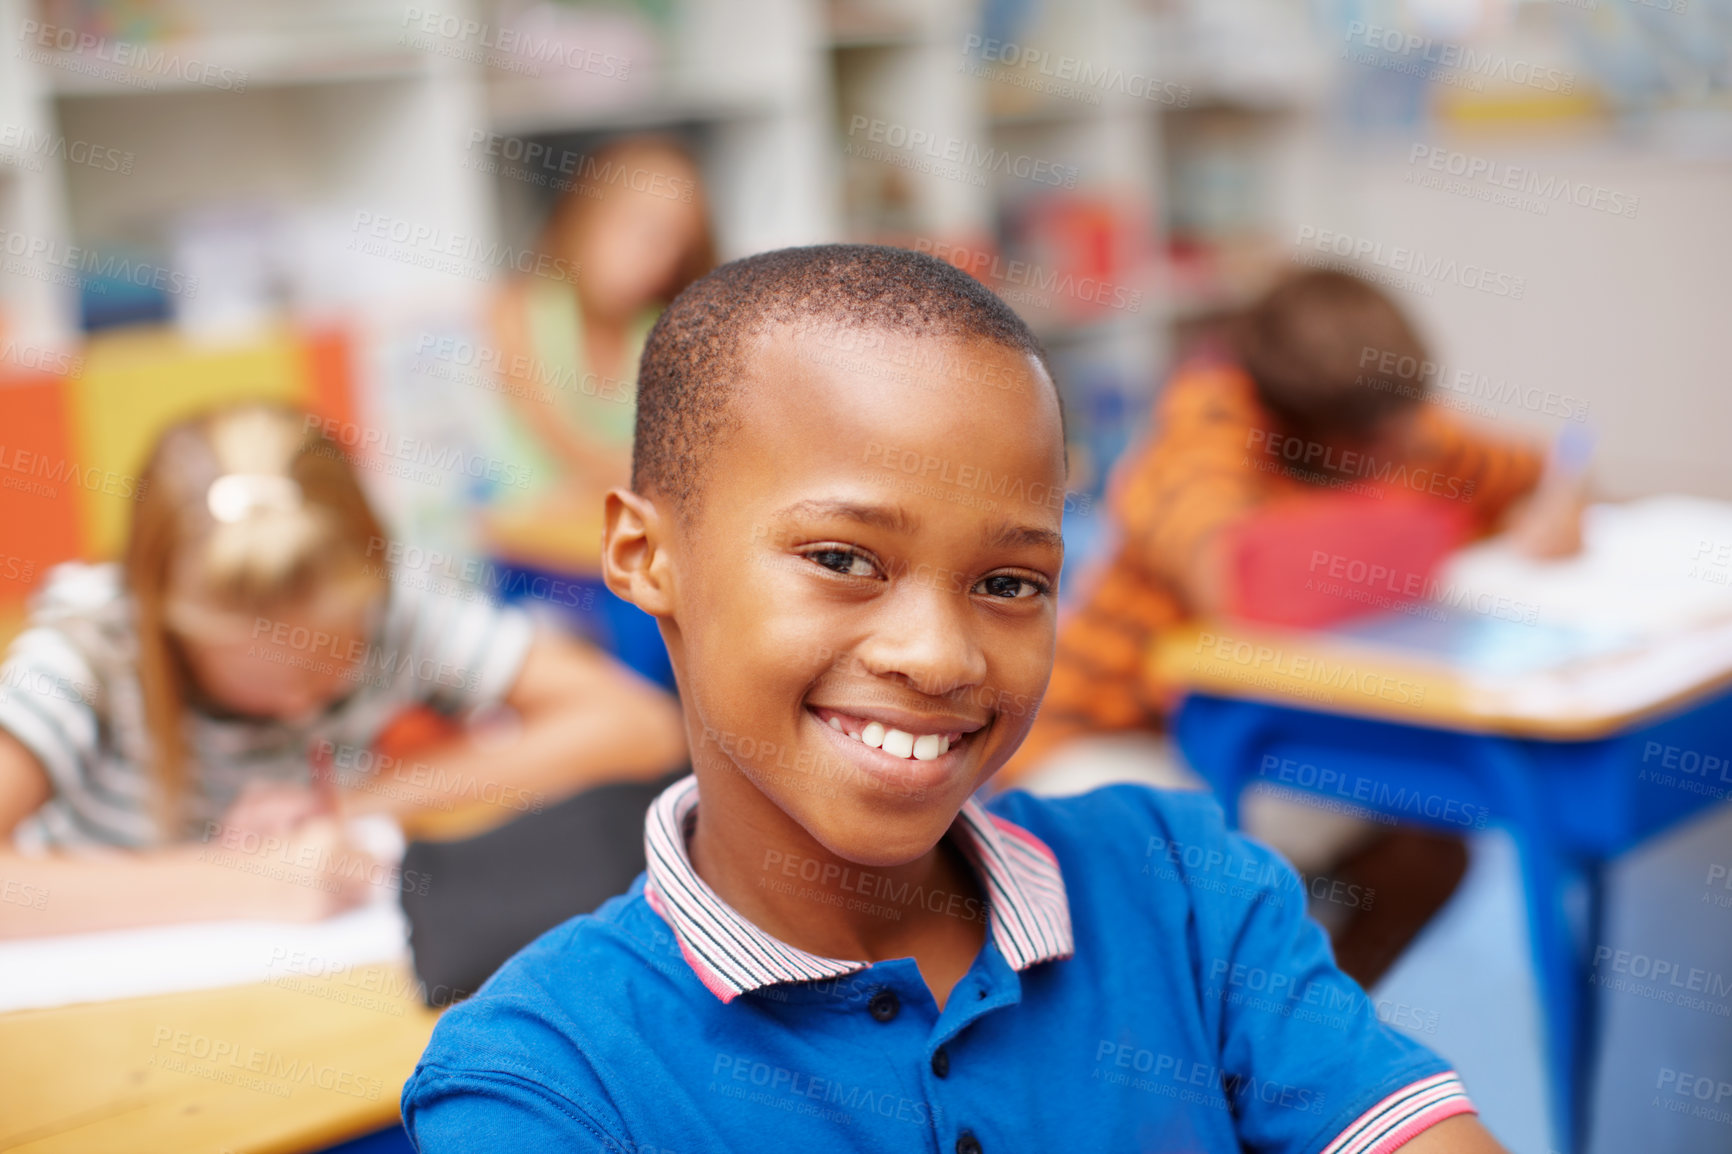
1630 315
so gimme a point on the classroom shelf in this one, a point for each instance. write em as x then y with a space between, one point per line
516 113
263 63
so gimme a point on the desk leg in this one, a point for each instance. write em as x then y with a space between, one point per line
1562 974
1562 962
1587 1066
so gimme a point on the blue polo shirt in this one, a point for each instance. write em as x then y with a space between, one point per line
1150 981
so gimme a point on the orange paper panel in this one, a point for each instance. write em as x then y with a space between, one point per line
39 484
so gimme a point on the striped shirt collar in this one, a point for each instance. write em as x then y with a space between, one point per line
1029 913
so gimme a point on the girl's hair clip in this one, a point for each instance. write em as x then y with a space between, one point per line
237 496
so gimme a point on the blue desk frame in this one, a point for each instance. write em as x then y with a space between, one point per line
1571 806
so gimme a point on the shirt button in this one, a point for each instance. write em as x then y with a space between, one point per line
967 1144
884 1005
941 1062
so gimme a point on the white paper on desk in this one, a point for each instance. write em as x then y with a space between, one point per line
1645 576
1648 569
40 972
1640 616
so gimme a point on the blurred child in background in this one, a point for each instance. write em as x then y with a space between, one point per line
635 227
1302 362
250 642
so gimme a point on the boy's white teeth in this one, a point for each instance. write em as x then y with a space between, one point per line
896 742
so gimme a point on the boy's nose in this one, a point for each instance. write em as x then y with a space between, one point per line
927 641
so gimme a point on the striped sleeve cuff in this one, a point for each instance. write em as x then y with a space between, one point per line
1391 1123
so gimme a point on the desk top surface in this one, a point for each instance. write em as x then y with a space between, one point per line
1635 625
1363 676
295 1064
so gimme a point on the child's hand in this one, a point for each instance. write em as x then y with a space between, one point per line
1549 525
270 807
314 873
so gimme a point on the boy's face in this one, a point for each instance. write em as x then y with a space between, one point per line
877 549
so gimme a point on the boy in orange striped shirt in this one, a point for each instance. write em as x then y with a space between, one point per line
1308 362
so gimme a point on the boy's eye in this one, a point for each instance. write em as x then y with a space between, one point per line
850 562
843 561
1011 587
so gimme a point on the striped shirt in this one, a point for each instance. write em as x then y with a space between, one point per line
69 692
1150 982
1202 468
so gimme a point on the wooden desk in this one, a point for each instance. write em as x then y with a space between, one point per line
559 535
457 823
1357 677
1580 763
296 1064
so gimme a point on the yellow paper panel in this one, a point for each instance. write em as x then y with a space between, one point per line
137 382
1514 107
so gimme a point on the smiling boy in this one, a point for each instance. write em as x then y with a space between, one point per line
840 948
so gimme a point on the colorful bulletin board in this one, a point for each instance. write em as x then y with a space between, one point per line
71 445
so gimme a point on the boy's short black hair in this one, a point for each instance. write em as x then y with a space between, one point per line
695 354
1315 344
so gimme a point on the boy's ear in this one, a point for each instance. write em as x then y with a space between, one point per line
635 561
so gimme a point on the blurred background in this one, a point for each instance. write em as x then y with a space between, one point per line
323 201
1121 171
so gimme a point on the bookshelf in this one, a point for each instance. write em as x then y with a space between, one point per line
277 124
1190 140
34 310
1138 103
311 166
